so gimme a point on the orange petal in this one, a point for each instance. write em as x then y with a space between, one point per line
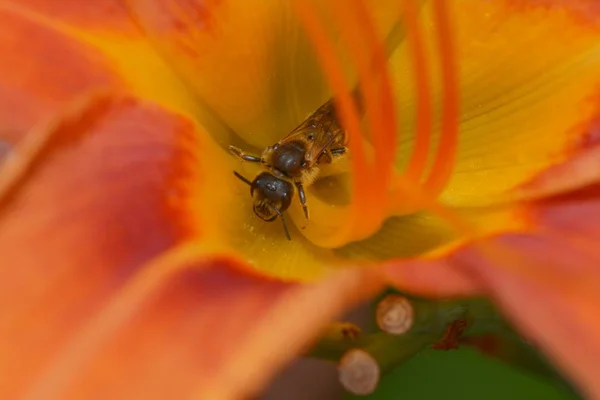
525 91
547 281
214 333
432 278
580 170
76 46
553 298
517 73
120 54
250 61
107 289
224 50
83 203
41 70
103 14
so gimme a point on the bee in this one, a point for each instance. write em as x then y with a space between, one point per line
293 163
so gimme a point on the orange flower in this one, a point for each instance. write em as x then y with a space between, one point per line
133 264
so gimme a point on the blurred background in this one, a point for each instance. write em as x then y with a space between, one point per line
461 374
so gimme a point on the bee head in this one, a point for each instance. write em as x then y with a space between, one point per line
271 195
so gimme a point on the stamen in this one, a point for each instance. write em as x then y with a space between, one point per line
447 147
363 176
424 125
346 110
405 198
409 197
445 156
387 134
368 54
359 372
395 315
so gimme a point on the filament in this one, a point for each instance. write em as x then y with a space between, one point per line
424 125
368 54
445 157
346 109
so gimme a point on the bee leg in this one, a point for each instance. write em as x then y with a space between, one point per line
326 157
338 152
302 197
246 157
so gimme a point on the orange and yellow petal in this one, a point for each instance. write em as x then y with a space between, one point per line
581 169
250 62
97 58
107 32
213 331
555 304
111 284
510 163
546 279
226 51
525 90
43 69
102 14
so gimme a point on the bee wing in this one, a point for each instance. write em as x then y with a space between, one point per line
323 114
323 143
318 131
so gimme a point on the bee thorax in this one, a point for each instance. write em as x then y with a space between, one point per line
289 158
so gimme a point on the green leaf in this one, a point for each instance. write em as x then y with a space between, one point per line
463 374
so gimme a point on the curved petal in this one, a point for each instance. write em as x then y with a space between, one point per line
421 233
85 239
108 288
249 102
102 14
60 49
42 69
547 280
250 61
227 51
555 304
218 332
580 170
525 90
571 158
96 57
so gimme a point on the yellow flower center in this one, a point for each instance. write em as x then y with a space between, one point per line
249 72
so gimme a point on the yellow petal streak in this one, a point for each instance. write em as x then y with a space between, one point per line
248 60
527 78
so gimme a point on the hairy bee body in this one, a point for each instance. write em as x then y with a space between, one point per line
294 163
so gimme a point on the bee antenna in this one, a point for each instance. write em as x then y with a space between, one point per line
285 229
241 178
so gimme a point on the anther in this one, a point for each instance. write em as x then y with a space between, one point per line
341 331
395 314
359 372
